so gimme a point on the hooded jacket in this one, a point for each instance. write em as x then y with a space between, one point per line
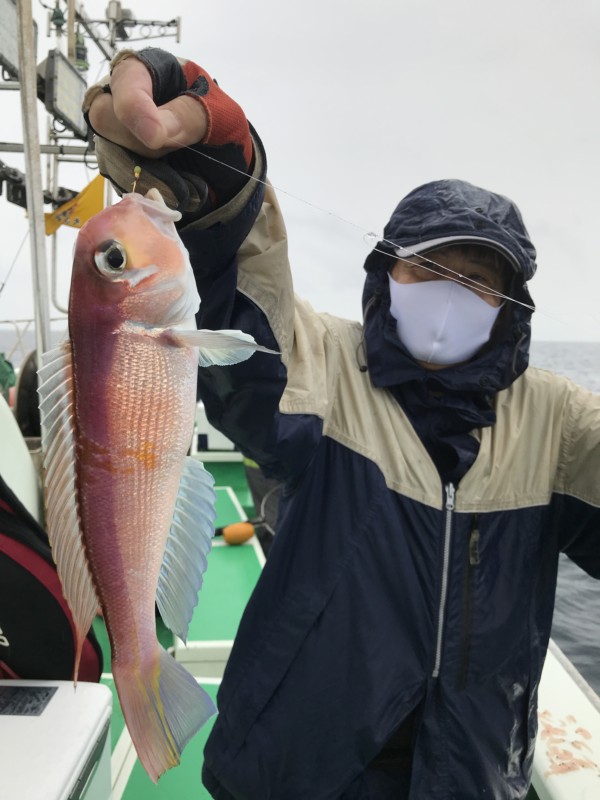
405 581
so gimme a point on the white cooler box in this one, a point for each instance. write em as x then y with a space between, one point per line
54 740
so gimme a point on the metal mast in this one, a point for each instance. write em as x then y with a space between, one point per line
33 174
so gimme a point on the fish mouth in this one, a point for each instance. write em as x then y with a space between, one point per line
156 210
156 197
155 205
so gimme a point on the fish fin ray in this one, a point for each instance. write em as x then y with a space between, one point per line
62 520
220 347
189 541
163 710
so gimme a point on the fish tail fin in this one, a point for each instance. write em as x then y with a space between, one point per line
163 707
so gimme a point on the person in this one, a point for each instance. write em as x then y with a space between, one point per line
7 377
394 644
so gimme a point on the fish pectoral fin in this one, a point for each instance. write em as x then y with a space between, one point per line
187 547
220 347
62 519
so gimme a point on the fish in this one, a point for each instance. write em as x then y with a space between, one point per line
130 516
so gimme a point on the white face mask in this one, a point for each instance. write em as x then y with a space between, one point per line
440 322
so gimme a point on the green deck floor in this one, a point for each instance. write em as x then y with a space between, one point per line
233 475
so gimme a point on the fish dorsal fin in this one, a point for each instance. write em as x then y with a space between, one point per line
187 548
62 519
220 347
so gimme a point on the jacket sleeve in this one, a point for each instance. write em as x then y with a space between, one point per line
579 481
239 256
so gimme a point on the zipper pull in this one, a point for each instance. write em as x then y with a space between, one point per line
474 542
474 548
450 492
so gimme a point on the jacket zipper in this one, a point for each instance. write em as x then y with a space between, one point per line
450 492
472 562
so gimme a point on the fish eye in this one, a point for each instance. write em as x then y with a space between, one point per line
111 258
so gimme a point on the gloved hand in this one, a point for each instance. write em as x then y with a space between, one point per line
191 140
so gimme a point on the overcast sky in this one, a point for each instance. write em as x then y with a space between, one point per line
359 102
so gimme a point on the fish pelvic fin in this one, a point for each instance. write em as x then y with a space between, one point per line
187 548
219 347
164 707
62 518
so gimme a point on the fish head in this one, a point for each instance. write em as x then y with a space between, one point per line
131 265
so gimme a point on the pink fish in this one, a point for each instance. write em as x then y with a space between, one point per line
130 517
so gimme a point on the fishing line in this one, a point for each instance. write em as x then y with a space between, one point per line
370 236
277 189
263 506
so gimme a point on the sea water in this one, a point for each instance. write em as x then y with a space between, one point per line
576 627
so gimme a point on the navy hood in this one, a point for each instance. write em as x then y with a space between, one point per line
456 210
452 211
445 405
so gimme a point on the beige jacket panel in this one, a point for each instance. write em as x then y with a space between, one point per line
264 272
546 439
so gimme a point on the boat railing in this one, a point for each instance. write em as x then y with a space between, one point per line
20 327
18 337
580 682
207 441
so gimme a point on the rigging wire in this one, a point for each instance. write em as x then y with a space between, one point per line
10 269
373 237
